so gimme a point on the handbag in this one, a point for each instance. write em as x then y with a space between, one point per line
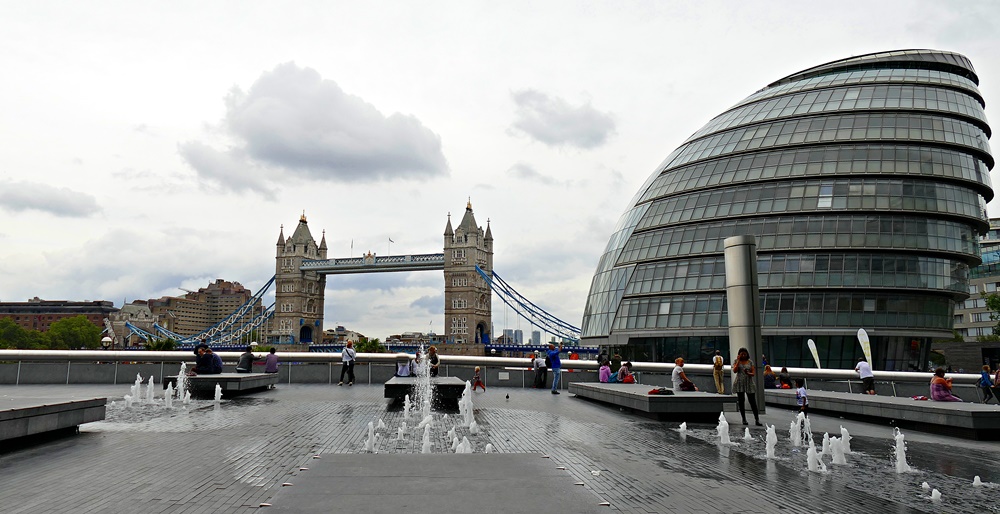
629 379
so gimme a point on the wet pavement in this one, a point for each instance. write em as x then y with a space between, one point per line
234 456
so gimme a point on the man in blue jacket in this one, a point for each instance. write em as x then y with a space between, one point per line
555 366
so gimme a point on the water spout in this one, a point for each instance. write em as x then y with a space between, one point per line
901 465
723 429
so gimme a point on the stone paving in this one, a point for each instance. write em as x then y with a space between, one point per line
232 457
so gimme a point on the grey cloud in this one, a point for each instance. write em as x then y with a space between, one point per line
59 201
300 125
431 304
553 121
525 171
228 170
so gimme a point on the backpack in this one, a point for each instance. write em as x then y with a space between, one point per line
548 362
717 363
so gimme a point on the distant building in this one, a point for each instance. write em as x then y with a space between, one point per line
536 337
38 314
136 314
972 318
341 335
199 310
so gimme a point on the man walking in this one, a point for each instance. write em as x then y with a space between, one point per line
717 371
867 377
555 365
348 355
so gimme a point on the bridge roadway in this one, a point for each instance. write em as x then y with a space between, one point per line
234 457
375 264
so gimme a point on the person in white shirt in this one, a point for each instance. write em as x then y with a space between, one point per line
348 355
867 377
540 371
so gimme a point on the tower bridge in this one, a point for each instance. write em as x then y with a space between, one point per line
301 267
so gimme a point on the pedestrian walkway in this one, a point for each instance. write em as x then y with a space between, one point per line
233 457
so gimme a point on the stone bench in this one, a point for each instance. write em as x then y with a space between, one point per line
693 406
24 417
232 383
957 419
446 391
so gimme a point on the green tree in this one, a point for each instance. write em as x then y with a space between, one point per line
11 334
366 345
162 345
75 332
993 304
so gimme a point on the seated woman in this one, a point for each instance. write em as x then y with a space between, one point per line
605 372
625 375
784 379
770 379
941 388
679 378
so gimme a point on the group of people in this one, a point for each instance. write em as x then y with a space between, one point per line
207 362
941 386
781 380
624 374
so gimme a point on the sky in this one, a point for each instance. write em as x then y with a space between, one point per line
150 147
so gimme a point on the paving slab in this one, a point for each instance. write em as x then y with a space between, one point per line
435 483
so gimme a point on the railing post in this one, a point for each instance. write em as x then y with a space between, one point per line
17 381
68 363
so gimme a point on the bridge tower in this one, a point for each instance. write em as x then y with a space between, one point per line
467 299
298 295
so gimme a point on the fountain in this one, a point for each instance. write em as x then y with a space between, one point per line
406 407
845 438
137 387
402 431
795 430
182 382
489 448
427 440
837 450
370 442
150 391
474 427
454 443
935 495
925 486
826 444
807 435
464 447
813 459
451 433
901 465
218 393
168 397
684 427
381 424
770 440
723 429
428 419
746 435
128 401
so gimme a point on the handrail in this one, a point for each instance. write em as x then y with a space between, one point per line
460 360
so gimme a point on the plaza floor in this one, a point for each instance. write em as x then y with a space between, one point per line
234 456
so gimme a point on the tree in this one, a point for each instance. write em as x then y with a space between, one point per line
993 304
13 335
366 345
162 345
75 332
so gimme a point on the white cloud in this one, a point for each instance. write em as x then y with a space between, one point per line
553 121
58 201
293 124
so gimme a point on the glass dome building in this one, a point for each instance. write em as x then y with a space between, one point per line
864 181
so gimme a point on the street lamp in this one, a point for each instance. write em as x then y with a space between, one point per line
107 342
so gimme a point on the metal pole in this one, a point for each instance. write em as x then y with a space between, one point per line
743 298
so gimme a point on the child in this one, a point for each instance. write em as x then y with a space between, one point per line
477 381
801 398
605 372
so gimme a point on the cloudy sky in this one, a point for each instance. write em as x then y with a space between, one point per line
153 146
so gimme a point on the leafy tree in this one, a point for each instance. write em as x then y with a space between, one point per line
13 335
366 345
993 304
75 332
162 345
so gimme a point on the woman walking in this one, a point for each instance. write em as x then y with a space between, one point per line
744 384
986 384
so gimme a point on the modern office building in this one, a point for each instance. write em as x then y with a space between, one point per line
973 322
864 181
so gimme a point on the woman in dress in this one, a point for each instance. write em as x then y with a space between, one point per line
744 384
941 388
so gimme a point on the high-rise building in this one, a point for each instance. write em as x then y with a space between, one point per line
864 181
467 297
536 337
199 310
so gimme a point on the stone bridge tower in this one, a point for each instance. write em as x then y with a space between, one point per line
467 296
298 295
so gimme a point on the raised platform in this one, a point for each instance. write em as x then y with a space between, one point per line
233 384
694 406
434 483
446 391
956 419
24 417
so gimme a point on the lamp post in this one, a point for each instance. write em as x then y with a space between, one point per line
107 342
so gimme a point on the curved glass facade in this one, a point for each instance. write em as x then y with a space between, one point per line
865 183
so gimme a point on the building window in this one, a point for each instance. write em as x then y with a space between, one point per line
458 254
459 303
460 281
